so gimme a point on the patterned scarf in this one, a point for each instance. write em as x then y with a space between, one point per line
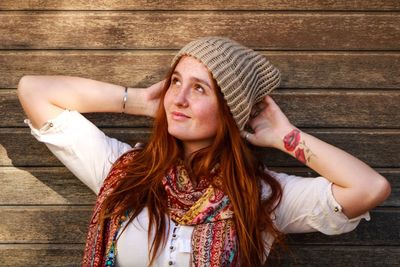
100 238
208 209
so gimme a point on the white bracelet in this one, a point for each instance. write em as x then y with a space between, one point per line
125 99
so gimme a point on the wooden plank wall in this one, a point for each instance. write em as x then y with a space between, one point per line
340 66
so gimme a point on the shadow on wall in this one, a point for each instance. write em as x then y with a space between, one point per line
44 212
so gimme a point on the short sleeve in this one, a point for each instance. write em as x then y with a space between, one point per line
308 205
82 147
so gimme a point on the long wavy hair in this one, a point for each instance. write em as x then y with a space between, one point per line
242 174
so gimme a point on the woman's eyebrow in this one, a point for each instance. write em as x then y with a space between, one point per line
193 78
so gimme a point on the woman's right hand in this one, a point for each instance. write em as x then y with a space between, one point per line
153 94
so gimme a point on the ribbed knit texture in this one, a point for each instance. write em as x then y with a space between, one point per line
244 76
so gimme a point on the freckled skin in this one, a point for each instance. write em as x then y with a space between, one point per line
191 105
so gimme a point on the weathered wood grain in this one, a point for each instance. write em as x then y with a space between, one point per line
174 5
130 43
51 224
343 256
58 186
304 108
336 108
376 147
142 68
44 224
154 30
55 255
42 186
383 223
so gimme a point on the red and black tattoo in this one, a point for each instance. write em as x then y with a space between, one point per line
292 141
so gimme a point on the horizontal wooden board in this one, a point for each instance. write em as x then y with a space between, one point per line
154 30
69 225
343 256
41 224
376 147
58 186
142 68
55 255
383 223
336 108
42 186
304 108
200 5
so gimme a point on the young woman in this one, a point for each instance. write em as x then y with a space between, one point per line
195 194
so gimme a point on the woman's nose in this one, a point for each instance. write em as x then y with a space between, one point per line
181 98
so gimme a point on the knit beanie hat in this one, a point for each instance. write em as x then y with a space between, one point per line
244 76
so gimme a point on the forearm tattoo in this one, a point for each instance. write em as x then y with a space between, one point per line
301 151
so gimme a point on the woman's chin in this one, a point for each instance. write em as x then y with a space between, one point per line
178 135
181 134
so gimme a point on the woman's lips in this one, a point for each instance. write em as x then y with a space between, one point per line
179 116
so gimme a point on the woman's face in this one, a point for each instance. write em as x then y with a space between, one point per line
191 105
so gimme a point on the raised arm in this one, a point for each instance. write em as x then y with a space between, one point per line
356 186
44 97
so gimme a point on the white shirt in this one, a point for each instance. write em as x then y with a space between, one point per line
307 204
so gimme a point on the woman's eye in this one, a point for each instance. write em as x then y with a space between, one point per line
200 89
174 81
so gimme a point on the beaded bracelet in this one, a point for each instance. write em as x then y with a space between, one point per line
124 99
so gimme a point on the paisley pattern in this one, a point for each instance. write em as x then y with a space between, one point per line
99 239
208 209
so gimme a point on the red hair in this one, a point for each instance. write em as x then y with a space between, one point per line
242 175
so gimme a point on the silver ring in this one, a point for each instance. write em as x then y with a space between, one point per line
247 136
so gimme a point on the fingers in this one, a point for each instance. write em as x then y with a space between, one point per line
260 106
264 107
257 109
247 136
156 89
269 101
161 83
158 86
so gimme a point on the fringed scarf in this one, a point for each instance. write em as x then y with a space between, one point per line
214 240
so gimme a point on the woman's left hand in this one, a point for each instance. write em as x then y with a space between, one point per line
356 186
269 124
